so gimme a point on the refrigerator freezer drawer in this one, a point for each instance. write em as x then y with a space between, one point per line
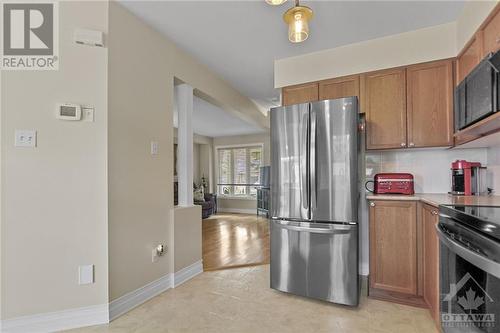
317 260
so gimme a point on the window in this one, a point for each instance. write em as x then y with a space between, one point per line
239 170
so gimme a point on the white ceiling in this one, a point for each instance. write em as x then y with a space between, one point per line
210 120
240 40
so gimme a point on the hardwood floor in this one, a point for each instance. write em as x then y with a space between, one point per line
235 240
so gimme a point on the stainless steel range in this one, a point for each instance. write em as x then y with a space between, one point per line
314 200
469 268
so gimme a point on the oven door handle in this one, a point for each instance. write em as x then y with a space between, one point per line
474 258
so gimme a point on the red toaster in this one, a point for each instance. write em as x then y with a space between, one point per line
393 183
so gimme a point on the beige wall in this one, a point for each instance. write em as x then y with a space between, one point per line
140 186
412 47
54 196
188 228
235 204
471 18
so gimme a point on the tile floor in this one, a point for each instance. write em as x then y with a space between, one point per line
240 300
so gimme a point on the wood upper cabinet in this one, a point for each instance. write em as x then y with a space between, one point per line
430 104
470 56
383 99
302 93
491 34
430 248
393 246
339 87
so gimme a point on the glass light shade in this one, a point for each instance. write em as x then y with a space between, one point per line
275 2
298 19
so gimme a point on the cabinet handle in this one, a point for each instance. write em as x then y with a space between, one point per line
412 144
434 212
403 144
372 204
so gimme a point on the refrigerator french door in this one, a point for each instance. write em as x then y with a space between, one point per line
314 195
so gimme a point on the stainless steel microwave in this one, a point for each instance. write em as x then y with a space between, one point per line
477 96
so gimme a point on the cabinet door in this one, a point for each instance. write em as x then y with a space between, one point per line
431 259
339 87
383 99
430 104
470 56
301 93
393 246
491 34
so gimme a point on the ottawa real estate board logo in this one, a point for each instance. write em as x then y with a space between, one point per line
29 36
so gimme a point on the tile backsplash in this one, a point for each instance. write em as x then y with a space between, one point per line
494 169
431 167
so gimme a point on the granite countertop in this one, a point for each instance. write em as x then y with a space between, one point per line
436 199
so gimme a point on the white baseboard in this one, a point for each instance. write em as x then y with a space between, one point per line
135 298
57 321
143 294
237 210
99 314
188 273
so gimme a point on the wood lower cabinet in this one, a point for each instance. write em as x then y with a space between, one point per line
383 99
393 248
404 254
339 87
430 254
301 93
429 91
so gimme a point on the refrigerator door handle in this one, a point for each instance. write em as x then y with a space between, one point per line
312 161
304 168
327 229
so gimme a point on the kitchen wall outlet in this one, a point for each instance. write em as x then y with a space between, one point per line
154 147
25 138
88 114
85 274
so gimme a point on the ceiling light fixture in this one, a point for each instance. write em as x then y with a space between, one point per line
275 2
298 18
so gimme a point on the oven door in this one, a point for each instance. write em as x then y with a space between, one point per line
469 279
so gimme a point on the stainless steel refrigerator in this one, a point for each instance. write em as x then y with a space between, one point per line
314 200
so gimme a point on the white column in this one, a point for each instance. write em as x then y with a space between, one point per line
184 103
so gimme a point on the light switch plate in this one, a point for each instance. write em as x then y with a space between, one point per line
154 148
25 138
85 274
88 114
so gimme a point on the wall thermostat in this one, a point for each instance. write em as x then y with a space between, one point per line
66 111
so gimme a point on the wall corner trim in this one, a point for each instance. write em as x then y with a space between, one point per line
57 321
187 273
135 298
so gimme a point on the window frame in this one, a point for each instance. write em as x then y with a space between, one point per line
246 146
